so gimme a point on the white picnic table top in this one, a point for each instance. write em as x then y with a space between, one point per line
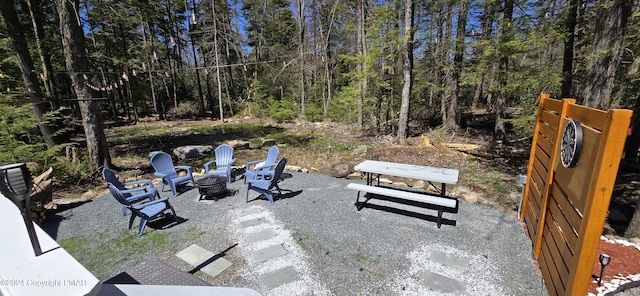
427 173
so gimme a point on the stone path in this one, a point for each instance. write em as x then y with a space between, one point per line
443 270
273 257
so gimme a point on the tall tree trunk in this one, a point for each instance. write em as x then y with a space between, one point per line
326 58
147 27
445 48
170 45
45 61
407 69
452 113
217 57
127 95
228 75
301 32
362 45
75 58
201 98
29 76
477 94
487 31
606 53
396 63
567 62
499 133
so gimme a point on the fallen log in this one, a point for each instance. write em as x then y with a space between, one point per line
461 147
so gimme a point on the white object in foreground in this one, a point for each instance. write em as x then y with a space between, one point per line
55 272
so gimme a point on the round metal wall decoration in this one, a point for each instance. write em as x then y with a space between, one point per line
571 144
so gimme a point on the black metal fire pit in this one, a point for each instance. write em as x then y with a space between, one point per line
212 186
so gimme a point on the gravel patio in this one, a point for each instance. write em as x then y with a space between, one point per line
331 247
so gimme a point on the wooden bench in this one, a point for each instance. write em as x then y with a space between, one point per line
441 202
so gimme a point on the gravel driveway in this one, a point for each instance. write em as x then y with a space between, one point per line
385 249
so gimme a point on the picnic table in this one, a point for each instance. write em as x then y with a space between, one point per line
443 176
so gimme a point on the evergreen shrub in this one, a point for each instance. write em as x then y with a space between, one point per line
344 106
313 113
282 111
21 141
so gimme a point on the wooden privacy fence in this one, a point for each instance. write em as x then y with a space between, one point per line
564 208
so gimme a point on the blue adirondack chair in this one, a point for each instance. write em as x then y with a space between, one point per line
146 211
163 164
265 186
224 160
134 191
259 169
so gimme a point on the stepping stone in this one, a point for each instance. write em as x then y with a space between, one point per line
441 283
279 277
260 236
253 222
195 255
449 259
250 211
267 253
216 267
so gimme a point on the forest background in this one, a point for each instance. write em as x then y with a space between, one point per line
391 67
